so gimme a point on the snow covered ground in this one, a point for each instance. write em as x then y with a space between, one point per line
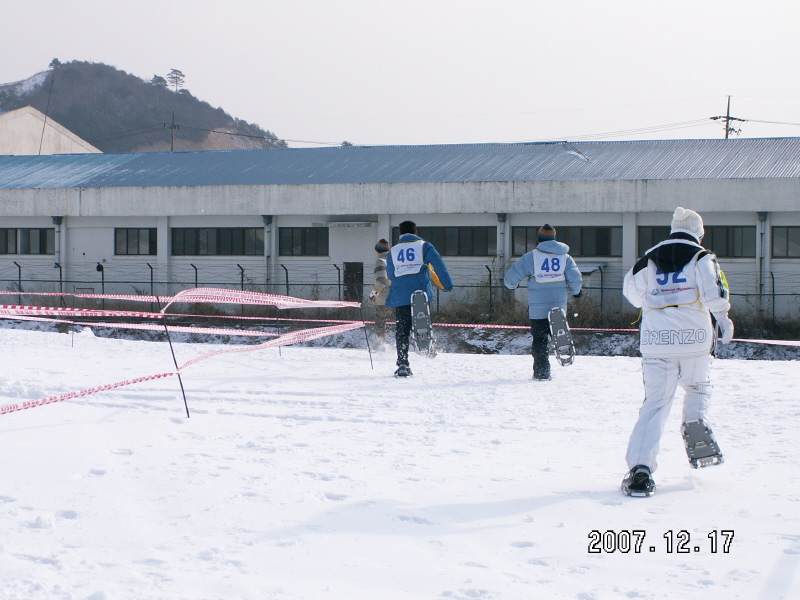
306 474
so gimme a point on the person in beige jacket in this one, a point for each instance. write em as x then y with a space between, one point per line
380 290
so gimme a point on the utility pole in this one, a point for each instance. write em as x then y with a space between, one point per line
728 118
172 143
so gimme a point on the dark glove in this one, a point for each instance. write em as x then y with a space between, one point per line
578 295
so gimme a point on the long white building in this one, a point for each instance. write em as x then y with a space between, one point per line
312 216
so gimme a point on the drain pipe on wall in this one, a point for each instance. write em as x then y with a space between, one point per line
501 242
267 246
762 224
57 221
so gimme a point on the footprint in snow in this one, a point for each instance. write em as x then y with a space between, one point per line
335 497
413 519
42 522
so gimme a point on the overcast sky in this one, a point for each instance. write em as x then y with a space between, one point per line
377 72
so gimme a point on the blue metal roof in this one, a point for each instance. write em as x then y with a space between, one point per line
558 161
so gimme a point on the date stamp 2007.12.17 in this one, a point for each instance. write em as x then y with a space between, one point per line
636 541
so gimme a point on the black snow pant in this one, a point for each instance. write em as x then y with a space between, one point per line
540 330
402 332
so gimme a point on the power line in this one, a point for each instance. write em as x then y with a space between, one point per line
129 132
770 122
640 130
465 115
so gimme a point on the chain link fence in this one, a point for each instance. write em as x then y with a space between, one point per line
477 298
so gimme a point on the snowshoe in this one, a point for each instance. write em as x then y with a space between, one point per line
403 371
639 483
545 376
701 447
421 327
561 338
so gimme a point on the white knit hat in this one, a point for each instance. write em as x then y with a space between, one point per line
687 221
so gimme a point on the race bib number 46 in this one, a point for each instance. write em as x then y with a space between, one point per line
407 258
549 267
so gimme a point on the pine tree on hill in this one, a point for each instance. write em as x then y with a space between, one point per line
119 112
176 79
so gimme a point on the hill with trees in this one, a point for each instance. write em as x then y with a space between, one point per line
119 112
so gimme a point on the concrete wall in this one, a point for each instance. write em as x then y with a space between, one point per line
87 232
737 195
27 131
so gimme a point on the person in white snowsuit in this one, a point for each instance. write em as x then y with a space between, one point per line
677 285
551 272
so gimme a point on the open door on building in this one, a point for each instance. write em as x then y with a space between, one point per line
353 281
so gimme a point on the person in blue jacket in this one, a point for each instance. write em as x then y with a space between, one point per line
551 273
411 265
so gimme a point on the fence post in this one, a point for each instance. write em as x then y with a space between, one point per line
772 275
19 283
287 278
602 289
60 283
339 279
490 291
100 269
151 284
195 275
241 273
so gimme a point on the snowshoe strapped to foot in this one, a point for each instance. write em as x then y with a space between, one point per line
421 326
701 447
561 338
638 482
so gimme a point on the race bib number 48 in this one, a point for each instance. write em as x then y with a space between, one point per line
407 258
549 267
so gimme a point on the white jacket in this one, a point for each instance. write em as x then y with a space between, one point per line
677 284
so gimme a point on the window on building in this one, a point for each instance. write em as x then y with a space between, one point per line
582 241
458 241
649 236
135 241
8 241
217 241
730 242
786 242
303 241
724 241
28 241
523 240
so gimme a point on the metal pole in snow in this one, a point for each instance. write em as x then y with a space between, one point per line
174 360
366 337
